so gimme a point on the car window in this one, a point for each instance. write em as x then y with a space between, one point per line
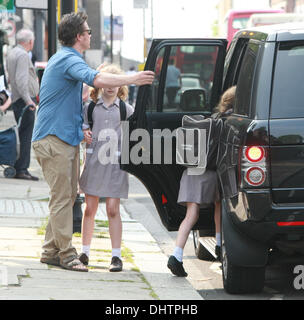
288 81
183 68
240 23
234 61
245 80
190 82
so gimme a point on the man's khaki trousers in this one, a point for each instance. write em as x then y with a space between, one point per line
59 162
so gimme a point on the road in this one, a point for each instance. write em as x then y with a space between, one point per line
206 277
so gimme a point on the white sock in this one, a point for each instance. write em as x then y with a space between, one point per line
218 239
86 249
116 252
178 253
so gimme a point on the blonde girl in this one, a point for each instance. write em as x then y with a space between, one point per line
102 176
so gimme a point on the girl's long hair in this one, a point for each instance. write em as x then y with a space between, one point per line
114 69
227 100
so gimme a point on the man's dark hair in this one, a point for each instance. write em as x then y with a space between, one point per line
71 25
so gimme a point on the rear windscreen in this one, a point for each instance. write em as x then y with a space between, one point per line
288 83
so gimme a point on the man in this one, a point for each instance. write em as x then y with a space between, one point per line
57 132
173 82
25 88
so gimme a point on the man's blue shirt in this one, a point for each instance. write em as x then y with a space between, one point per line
60 106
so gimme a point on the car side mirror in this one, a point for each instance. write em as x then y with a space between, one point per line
193 100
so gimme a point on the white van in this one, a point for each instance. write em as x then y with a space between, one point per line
263 19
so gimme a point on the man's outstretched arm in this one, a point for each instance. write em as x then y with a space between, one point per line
109 80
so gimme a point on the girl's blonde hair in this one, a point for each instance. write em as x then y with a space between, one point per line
227 100
114 69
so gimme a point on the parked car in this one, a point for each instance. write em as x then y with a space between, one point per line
188 81
261 153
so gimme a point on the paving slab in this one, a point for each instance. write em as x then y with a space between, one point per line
109 293
92 275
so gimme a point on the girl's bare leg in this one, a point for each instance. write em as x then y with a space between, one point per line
187 224
88 220
115 224
175 261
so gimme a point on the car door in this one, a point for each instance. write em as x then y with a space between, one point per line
149 144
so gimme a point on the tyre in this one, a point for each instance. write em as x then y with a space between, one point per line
9 172
200 251
239 279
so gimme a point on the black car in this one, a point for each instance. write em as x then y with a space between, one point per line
261 153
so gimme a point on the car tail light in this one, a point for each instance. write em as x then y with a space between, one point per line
254 166
254 154
164 199
290 224
255 176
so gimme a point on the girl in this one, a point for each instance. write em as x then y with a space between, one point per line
102 176
196 191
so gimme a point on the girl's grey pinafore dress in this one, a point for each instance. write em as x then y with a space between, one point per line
104 179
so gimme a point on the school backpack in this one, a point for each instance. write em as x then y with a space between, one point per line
122 109
192 149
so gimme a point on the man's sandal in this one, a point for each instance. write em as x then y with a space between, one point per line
74 265
54 261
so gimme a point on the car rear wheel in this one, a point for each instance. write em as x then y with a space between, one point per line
239 279
200 251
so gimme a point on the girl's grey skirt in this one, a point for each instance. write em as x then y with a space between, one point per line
200 189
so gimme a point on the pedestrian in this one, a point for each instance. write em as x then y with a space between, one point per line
199 191
132 87
102 178
25 88
58 132
173 82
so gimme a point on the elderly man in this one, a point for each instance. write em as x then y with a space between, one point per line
25 88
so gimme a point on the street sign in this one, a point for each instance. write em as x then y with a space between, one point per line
7 5
140 4
31 4
10 27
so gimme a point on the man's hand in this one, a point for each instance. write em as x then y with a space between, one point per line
143 77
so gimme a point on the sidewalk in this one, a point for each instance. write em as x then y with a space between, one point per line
23 213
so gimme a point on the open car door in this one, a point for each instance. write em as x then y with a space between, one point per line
149 144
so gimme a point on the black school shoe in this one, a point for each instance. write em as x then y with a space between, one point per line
176 267
84 259
116 265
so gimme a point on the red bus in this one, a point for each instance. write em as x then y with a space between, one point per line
237 19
